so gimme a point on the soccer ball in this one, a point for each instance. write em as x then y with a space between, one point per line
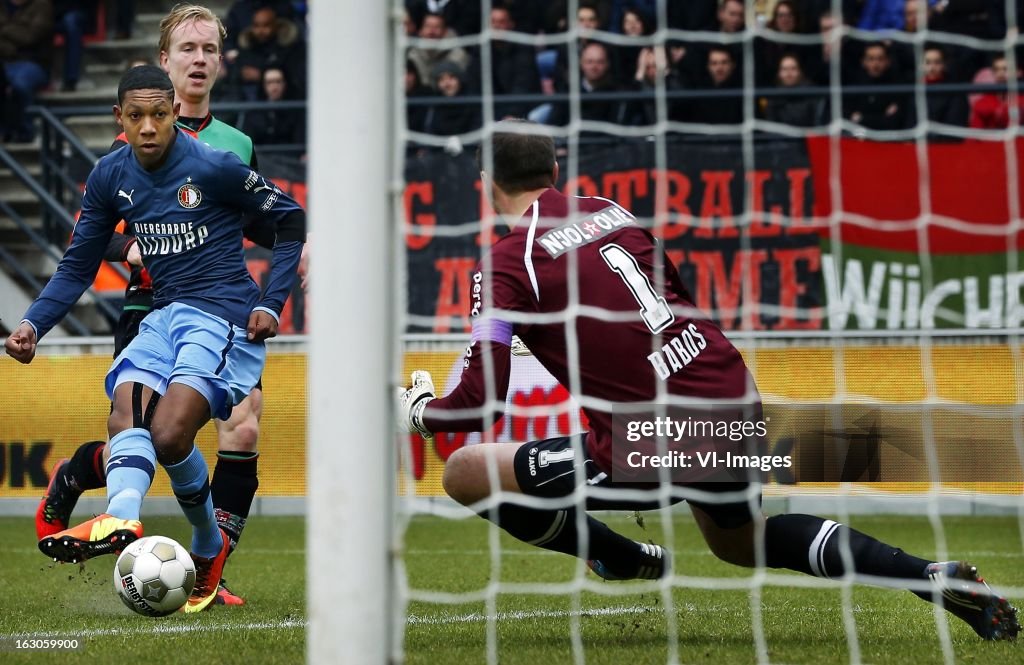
154 576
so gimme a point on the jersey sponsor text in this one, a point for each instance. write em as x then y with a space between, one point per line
182 238
559 240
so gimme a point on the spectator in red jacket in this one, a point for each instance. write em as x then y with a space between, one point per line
992 110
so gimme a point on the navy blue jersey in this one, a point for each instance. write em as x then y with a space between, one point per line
188 217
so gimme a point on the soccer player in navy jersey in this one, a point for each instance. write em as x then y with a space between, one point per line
201 350
583 269
190 51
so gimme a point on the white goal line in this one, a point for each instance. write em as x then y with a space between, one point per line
169 629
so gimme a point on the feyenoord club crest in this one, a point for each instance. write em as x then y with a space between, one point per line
189 196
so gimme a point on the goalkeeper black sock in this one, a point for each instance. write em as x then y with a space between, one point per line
812 545
85 469
233 487
556 530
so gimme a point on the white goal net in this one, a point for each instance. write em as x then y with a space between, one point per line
838 186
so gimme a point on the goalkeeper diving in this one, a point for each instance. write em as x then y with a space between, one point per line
591 294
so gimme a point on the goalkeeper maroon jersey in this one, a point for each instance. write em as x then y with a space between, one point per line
602 308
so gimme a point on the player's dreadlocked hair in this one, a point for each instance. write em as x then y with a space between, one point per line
144 77
522 161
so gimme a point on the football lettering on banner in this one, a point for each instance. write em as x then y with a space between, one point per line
779 271
764 275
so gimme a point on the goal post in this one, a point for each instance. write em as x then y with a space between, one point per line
831 292
350 446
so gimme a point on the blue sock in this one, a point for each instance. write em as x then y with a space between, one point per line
190 480
129 472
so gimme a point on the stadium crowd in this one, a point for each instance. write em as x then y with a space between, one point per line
881 54
265 58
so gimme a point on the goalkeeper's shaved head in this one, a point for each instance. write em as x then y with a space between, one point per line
524 160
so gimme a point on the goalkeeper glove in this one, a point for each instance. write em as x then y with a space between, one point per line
519 347
412 402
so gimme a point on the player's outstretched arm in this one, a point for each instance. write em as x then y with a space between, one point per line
77 268
479 399
21 344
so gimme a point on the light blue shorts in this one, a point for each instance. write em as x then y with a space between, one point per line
182 344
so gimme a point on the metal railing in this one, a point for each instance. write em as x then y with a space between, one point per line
62 219
825 92
738 92
59 147
77 327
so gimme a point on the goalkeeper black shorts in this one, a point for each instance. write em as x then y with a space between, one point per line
546 469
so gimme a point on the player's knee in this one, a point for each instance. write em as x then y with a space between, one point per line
241 432
738 554
171 440
732 545
462 473
240 436
119 420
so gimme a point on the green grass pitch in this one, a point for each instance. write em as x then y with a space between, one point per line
617 623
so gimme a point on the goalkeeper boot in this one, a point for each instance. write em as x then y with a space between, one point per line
655 563
104 534
227 597
54 510
970 598
208 574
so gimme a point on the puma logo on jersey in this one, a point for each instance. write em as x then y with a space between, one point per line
128 196
252 179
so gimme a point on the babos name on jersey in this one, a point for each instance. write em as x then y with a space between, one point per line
680 351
